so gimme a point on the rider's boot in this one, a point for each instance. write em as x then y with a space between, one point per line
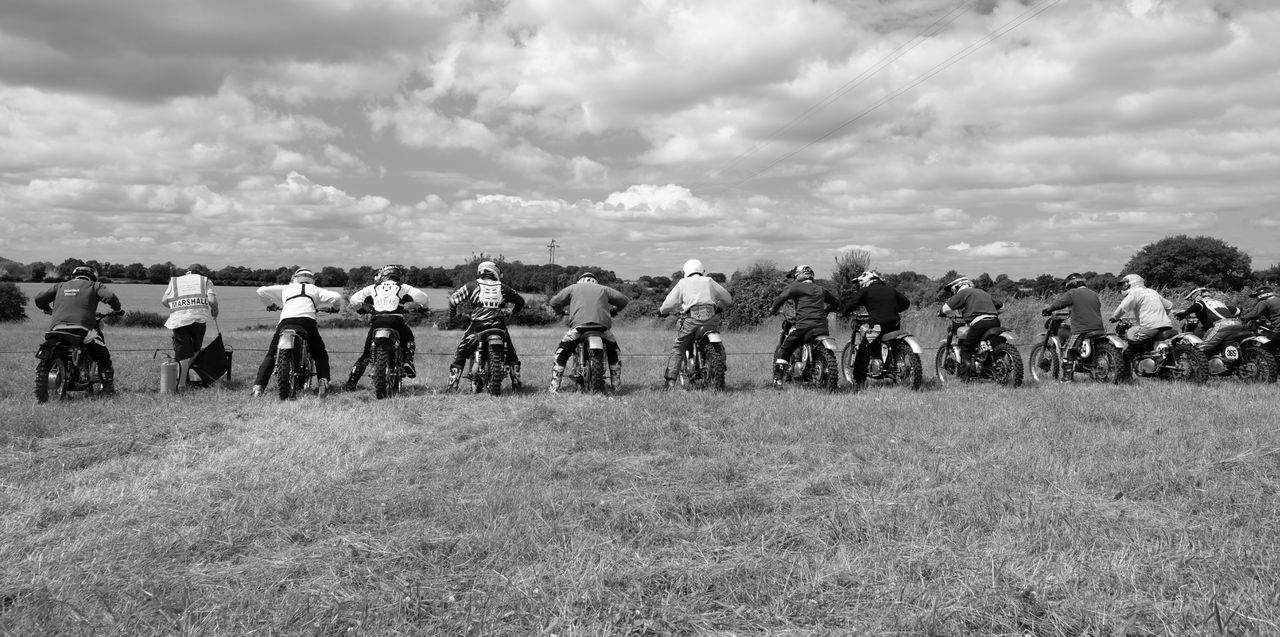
668 383
455 377
409 370
779 371
257 391
1068 371
615 376
108 381
516 383
966 366
357 371
322 387
557 373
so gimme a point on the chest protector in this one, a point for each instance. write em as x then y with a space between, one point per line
386 297
1218 308
488 295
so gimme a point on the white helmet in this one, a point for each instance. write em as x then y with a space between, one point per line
959 283
694 266
1131 280
1197 294
802 273
488 267
304 275
867 277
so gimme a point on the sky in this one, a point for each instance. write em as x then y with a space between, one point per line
1000 136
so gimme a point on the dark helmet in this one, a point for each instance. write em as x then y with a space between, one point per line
488 268
85 272
1074 280
1263 292
392 272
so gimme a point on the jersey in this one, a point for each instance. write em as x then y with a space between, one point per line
487 299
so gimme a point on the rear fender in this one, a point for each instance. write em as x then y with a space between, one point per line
1118 342
905 337
829 342
714 337
1255 341
384 333
288 339
1188 338
595 341
49 349
495 339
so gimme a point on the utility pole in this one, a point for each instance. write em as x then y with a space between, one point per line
551 251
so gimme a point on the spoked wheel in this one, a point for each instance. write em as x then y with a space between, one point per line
908 369
287 373
716 366
1006 365
383 369
595 372
51 379
1107 363
1044 364
496 372
846 362
688 372
1257 366
1190 363
826 370
945 366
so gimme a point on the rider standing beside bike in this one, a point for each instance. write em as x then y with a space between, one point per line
699 300
192 304
298 302
385 301
884 306
488 297
1150 309
812 302
1086 319
589 305
1218 321
75 302
979 311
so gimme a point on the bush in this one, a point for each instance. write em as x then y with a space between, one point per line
137 318
1182 260
753 292
13 303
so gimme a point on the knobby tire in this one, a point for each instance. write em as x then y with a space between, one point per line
495 370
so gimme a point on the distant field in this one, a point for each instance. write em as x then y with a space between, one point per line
1151 509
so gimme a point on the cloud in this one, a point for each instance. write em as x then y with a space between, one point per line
995 249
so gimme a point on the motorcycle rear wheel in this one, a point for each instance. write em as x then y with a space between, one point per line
51 379
1006 365
1107 364
716 366
385 374
1256 366
595 371
825 374
908 369
1190 363
496 356
286 373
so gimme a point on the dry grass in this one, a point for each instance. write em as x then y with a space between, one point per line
1087 510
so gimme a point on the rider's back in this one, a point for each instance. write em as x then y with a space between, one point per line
74 302
589 303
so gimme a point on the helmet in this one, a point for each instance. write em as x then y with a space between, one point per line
1196 294
1130 280
1074 280
85 272
867 277
586 275
1264 292
488 267
304 275
392 272
694 266
801 273
959 283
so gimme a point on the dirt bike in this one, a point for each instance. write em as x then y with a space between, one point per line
704 363
65 364
486 368
295 369
814 363
897 359
587 367
1244 355
1097 356
1170 356
387 359
996 358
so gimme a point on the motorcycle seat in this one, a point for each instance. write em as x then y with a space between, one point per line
70 334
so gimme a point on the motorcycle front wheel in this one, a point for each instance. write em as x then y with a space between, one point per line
1044 364
945 366
846 362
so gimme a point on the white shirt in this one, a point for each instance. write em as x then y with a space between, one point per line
299 300
695 290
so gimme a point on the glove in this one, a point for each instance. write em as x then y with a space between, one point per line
1046 312
613 311
1113 320
942 314
1179 315
362 310
273 308
412 306
118 313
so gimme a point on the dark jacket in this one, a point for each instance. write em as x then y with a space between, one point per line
884 304
812 301
1266 311
972 302
1086 309
75 302
487 299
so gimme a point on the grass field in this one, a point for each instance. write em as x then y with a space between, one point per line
1084 510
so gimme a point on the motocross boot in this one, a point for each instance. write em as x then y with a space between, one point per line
557 373
779 371
965 367
322 387
1068 371
257 391
409 370
108 382
615 376
455 377
515 377
357 371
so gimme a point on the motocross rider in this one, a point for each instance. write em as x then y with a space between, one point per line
812 303
1266 311
387 300
589 305
73 303
1151 310
488 297
699 300
1085 322
298 302
1218 321
980 312
884 307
